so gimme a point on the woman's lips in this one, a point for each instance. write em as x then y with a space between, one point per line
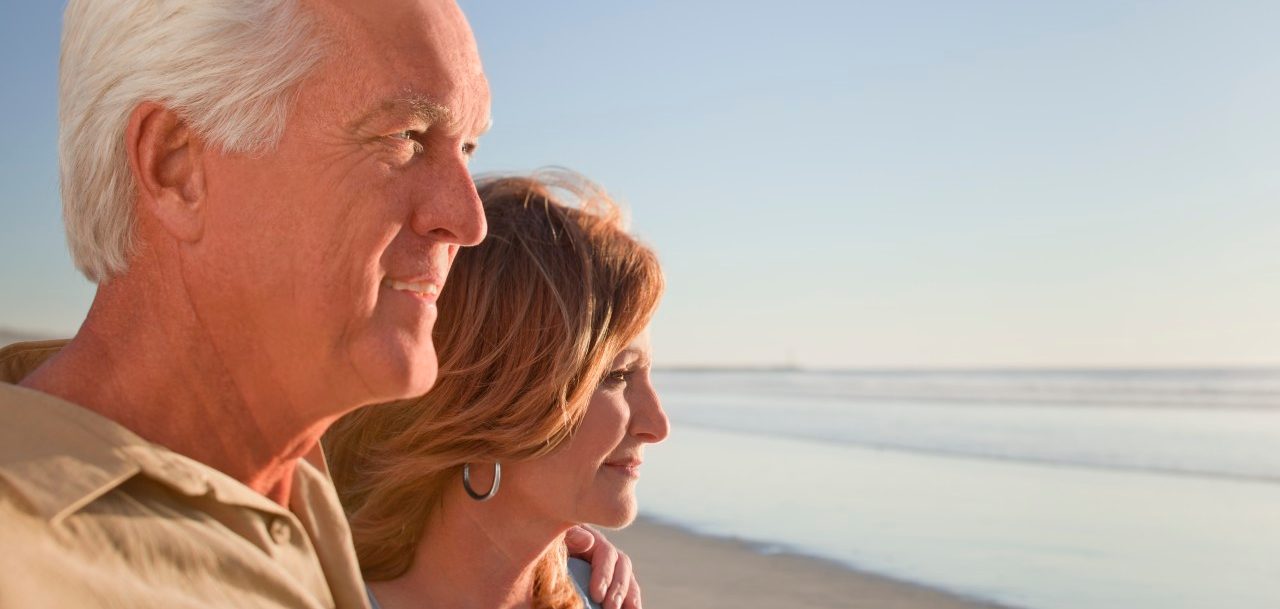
628 467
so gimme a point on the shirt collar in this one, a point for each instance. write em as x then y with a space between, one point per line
59 457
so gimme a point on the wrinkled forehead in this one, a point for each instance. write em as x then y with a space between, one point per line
392 50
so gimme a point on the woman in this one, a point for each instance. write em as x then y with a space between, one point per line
537 422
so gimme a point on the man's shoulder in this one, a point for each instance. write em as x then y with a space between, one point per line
35 566
141 546
53 554
56 457
20 359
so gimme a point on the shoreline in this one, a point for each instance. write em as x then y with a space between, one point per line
681 568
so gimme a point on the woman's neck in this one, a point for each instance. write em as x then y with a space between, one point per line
472 555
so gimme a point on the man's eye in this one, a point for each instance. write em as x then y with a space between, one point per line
410 135
469 149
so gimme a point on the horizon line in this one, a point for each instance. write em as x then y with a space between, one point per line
10 335
893 368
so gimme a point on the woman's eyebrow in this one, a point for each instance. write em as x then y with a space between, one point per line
632 357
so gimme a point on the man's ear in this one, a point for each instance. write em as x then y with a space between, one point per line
166 156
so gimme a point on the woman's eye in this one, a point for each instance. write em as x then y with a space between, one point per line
616 378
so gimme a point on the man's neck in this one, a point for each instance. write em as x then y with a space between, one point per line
163 379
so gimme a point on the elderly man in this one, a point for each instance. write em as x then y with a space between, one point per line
269 194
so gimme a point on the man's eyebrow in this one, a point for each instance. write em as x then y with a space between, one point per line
406 107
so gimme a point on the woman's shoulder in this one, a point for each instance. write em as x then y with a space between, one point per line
580 571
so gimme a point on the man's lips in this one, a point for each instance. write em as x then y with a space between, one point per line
424 288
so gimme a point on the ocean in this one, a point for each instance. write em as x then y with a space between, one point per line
1040 489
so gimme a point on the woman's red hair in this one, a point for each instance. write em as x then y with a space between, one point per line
529 321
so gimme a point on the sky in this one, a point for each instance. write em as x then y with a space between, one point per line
854 184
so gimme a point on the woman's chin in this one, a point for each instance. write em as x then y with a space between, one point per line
617 516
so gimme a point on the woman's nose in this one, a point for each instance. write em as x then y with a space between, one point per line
649 421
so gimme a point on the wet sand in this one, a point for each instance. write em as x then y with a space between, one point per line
681 569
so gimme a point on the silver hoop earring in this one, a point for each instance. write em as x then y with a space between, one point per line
466 482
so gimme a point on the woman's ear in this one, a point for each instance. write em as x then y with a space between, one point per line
166 156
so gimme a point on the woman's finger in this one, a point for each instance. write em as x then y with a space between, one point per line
621 583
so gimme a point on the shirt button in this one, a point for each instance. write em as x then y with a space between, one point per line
280 530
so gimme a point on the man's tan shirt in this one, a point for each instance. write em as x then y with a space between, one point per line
91 515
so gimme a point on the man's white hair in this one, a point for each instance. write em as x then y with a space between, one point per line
228 67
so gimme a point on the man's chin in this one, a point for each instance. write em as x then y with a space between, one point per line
423 383
419 376
399 373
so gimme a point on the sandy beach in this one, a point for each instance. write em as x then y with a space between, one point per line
8 336
680 569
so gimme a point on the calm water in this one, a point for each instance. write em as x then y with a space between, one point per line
1045 489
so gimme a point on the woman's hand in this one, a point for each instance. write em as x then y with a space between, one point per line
613 585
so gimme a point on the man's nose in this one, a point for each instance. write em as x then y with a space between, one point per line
448 208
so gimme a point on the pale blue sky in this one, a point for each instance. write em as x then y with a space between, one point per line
909 183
